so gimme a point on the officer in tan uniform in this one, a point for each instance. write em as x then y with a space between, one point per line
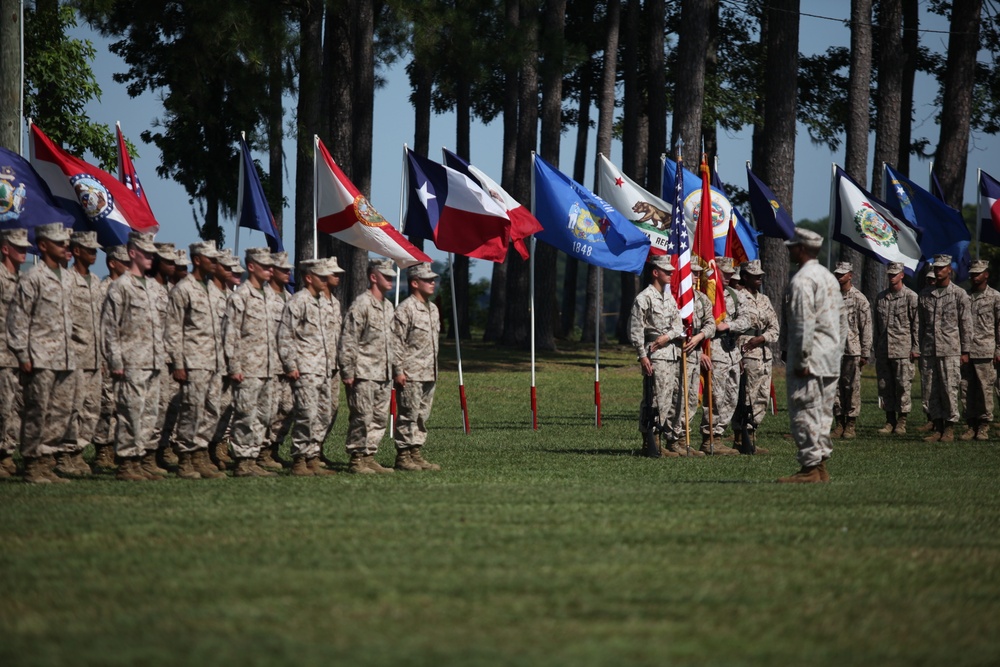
284 402
309 357
194 350
980 375
946 326
857 349
13 252
117 262
896 347
755 343
219 409
133 350
85 302
657 334
416 328
366 367
159 286
334 325
39 329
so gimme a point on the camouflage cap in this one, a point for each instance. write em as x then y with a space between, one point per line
941 260
16 237
119 253
54 231
696 267
805 237
334 266
736 275
383 266
166 251
892 268
85 240
317 267
260 256
843 267
143 241
205 249
979 265
725 264
279 260
420 271
661 263
751 268
181 258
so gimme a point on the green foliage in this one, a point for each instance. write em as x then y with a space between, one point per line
59 84
823 88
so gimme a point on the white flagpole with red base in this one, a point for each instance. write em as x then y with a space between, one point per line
531 304
458 347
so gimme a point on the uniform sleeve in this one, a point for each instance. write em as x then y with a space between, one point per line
19 319
802 322
286 338
347 351
707 317
771 326
964 320
636 333
399 332
865 324
111 333
913 312
232 330
173 330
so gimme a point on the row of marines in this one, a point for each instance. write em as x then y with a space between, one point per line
157 366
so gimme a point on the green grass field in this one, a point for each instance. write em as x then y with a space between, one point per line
557 547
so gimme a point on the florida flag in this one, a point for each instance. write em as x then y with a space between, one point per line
449 208
522 223
96 199
343 212
126 170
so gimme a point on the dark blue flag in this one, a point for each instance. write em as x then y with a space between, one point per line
769 215
25 199
254 211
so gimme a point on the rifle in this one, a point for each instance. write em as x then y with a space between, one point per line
649 418
742 419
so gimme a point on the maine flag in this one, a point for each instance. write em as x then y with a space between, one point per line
25 199
768 214
253 211
583 225
722 208
942 228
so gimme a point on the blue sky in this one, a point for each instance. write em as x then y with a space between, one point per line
393 125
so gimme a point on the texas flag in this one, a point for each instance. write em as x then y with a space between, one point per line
522 223
126 170
343 212
989 209
452 210
97 200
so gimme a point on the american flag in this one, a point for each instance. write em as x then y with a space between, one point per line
679 249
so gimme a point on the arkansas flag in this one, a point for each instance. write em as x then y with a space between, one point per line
449 208
522 223
96 199
344 213
126 170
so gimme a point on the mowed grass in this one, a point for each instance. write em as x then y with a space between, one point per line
559 546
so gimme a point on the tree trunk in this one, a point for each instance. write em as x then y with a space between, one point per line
421 83
858 119
689 90
709 131
959 82
10 75
911 52
657 90
275 136
463 128
633 155
308 117
572 271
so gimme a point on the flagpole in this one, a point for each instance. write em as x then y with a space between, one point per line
829 236
458 347
402 226
531 304
20 94
315 196
979 211
239 194
597 349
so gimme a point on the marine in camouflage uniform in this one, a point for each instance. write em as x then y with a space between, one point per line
13 251
416 327
117 262
725 359
194 350
924 360
251 347
159 286
857 349
85 304
755 342
657 332
39 328
366 367
817 327
133 350
979 376
946 326
896 346
220 411
703 328
308 355
284 402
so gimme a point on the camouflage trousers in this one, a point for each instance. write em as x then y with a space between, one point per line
667 400
282 410
137 408
314 413
678 424
925 384
758 387
725 391
49 397
224 414
413 408
848 388
368 402
895 377
810 412
87 409
945 376
11 408
253 400
104 432
166 419
978 379
199 410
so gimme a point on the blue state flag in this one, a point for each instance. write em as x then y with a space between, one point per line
768 214
943 229
583 225
746 234
25 199
254 211
722 208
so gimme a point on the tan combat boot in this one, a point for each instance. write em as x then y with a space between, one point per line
261 472
970 432
936 432
710 448
50 469
824 476
186 469
104 458
80 464
684 450
666 453
839 430
849 429
66 465
807 475
404 462
4 472
8 463
928 427
900 425
418 458
983 432
319 468
359 465
300 467
148 465
244 468
219 455
129 471
375 466
890 424
36 471
266 461
167 456
204 465
948 433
